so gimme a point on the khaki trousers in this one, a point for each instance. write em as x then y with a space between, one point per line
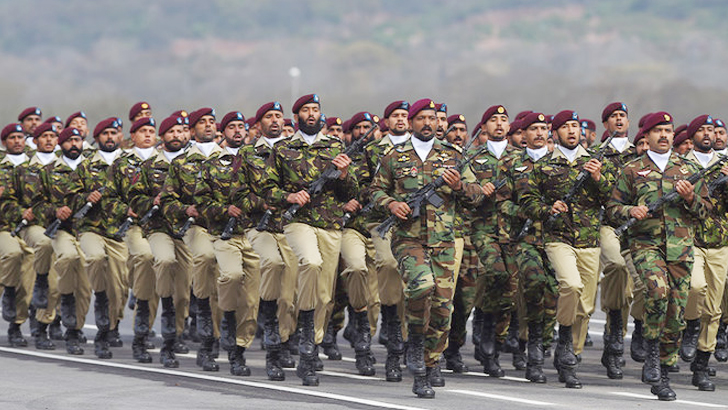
105 263
577 271
615 293
278 275
360 274
141 269
72 277
204 270
172 264
707 284
43 263
390 286
16 270
317 251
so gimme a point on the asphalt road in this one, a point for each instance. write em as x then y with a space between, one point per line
33 379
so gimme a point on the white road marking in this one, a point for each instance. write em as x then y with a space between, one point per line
692 403
501 397
346 375
313 393
479 374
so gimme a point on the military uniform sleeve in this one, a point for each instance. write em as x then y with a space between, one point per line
271 182
532 201
471 194
622 199
382 185
703 204
140 200
171 205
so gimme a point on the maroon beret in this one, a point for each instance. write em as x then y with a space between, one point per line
141 122
640 135
195 116
423 104
180 113
39 130
680 128
383 126
230 117
170 122
605 135
29 111
588 124
306 99
68 133
615 106
476 129
441 107
331 121
522 114
718 123
53 119
111 122
77 114
563 117
698 122
493 110
655 119
680 138
287 122
516 125
137 108
643 119
549 119
11 128
532 118
345 127
273 105
361 116
396 105
456 119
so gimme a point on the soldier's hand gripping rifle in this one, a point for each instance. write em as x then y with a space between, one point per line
330 173
581 179
671 196
21 225
188 223
150 213
52 229
227 232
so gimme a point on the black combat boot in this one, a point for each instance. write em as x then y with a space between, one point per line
42 341
15 336
511 343
285 360
350 328
519 356
534 368
416 355
40 291
73 345
272 364
169 334
236 358
141 332
180 347
383 335
306 369
228 331
32 320
721 344
689 346
114 337
565 360
453 358
362 345
422 388
651 367
490 348
54 329
434 374
271 340
331 348
395 344
613 345
205 358
103 325
699 367
637 346
10 313
477 327
662 388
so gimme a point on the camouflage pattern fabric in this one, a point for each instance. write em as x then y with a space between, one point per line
29 189
538 281
152 175
256 168
107 215
61 186
712 232
373 154
10 212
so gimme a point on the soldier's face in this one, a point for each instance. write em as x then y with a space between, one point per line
174 139
30 123
441 124
660 138
144 137
109 139
271 125
234 134
642 146
205 129
309 118
81 125
591 136
72 147
15 143
46 141
569 134
458 135
142 114
550 143
535 135
361 128
336 131
517 140
397 122
424 124
496 127
684 147
704 138
252 136
617 122
721 138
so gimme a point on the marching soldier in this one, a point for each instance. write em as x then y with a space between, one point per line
295 163
30 118
424 246
661 242
572 239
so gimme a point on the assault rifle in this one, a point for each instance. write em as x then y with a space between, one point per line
52 229
150 213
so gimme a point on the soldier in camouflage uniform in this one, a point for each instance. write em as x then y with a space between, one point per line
661 243
61 195
708 276
178 204
571 235
295 163
496 287
538 283
424 246
172 258
16 270
30 119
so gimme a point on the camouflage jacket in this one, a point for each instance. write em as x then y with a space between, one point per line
179 189
294 165
10 212
29 189
712 232
617 161
107 215
141 195
494 215
256 169
551 179
125 172
672 228
224 178
373 154
402 173
363 176
518 174
60 186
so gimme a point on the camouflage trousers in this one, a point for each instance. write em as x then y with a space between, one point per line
540 289
498 283
429 287
666 294
465 289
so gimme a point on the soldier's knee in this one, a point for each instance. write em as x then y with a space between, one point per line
658 294
311 263
421 288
